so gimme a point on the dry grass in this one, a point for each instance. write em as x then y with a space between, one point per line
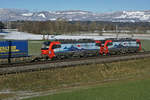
63 77
73 76
6 95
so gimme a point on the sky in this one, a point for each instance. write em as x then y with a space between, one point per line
86 5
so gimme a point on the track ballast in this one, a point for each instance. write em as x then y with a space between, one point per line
42 65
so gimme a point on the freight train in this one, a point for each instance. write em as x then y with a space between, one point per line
86 47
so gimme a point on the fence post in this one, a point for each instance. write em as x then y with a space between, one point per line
9 53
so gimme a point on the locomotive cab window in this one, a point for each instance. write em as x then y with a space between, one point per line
98 44
45 45
56 46
103 41
138 42
109 44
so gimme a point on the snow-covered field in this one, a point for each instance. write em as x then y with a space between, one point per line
28 36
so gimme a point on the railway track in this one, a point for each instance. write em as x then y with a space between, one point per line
42 65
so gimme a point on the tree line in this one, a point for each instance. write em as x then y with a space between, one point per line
60 27
67 27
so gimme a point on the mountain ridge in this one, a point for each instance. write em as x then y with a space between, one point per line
74 15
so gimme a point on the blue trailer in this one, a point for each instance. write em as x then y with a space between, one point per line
13 49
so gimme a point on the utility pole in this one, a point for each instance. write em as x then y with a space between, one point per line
9 53
117 32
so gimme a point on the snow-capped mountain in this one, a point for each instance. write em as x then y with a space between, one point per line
74 15
135 16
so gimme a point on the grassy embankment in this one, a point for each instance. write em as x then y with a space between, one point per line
146 45
75 76
124 90
34 47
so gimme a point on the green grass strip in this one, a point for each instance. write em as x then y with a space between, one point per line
130 90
